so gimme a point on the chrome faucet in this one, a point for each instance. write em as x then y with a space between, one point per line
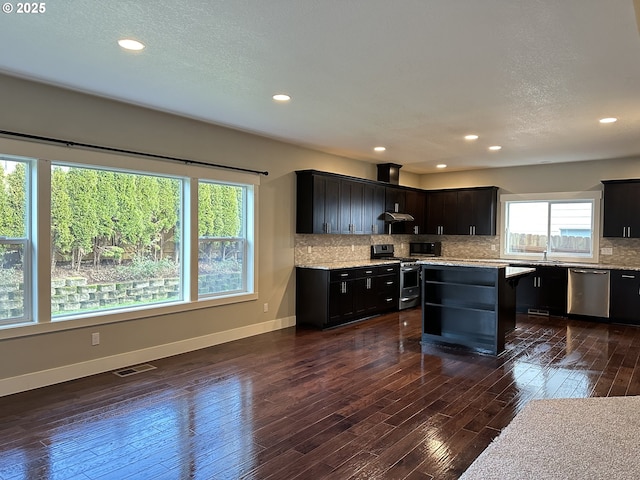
544 256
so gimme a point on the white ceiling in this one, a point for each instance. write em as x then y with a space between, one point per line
413 75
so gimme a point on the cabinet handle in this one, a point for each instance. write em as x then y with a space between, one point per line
344 274
368 271
390 283
415 230
628 276
344 287
474 229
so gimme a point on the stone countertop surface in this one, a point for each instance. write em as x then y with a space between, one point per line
469 262
348 264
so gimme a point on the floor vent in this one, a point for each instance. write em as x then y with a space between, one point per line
125 372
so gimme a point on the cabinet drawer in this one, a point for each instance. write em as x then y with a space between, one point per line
388 269
345 274
366 272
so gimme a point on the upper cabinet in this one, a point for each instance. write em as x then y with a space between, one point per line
467 211
442 212
334 204
621 208
318 202
476 211
330 203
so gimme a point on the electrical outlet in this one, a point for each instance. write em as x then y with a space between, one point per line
353 248
265 308
309 249
606 251
95 338
493 248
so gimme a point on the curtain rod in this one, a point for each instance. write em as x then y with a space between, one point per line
69 143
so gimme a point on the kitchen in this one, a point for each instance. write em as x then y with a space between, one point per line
581 290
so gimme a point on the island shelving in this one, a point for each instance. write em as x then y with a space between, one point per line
469 304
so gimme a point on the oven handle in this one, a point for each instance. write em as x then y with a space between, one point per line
406 299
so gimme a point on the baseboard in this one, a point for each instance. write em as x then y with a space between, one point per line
52 376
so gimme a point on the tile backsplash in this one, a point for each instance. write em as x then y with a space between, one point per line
311 249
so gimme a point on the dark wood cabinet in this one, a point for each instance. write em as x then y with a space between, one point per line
469 306
476 211
373 207
318 203
441 212
416 206
624 305
327 298
351 207
336 204
543 292
621 208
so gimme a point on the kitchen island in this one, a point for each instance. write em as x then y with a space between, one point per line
469 304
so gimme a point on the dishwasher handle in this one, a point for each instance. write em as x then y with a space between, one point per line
594 272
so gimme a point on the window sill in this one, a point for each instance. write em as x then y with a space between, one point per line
103 318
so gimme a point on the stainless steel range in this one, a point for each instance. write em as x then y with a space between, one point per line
409 274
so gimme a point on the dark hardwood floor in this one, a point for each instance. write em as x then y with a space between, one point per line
363 401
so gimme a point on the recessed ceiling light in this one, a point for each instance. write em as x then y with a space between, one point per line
281 97
495 147
441 165
130 44
471 137
608 120
380 149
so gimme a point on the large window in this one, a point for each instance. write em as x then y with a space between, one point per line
92 239
115 240
551 227
14 241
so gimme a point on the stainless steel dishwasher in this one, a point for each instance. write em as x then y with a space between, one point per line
588 292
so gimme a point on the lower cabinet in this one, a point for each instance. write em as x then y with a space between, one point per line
624 305
327 298
543 292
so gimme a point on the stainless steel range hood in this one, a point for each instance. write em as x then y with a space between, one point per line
397 217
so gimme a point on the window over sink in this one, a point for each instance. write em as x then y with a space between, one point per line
551 226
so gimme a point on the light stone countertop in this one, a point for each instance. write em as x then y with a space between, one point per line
468 262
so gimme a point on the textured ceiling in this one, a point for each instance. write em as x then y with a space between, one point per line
413 75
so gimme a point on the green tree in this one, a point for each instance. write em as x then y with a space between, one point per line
15 219
61 216
82 188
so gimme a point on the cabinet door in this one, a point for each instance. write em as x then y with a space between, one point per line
366 299
351 206
544 290
527 293
622 210
442 212
553 289
326 204
625 296
373 208
341 301
476 211
415 203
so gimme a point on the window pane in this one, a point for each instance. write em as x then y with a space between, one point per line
222 242
12 283
15 285
115 240
13 198
527 224
571 228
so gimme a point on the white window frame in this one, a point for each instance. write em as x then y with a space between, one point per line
42 155
594 196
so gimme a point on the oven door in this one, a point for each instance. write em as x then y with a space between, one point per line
409 286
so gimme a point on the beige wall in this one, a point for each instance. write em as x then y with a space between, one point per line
37 109
48 111
561 177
